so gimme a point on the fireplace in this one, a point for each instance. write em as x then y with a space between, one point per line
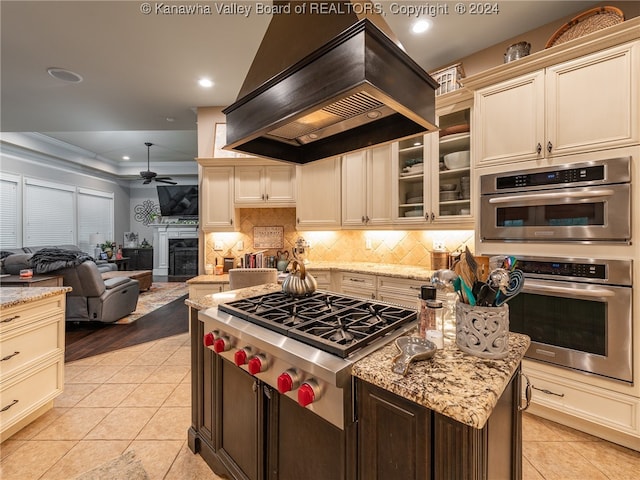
169 236
183 259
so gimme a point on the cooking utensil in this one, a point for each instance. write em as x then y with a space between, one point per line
516 282
411 349
498 279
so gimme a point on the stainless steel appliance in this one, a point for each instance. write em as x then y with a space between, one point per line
578 313
582 202
290 360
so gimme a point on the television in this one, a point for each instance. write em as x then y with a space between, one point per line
178 200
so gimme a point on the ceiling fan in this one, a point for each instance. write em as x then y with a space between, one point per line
148 175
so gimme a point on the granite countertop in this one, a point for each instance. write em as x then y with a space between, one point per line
388 269
213 299
460 386
14 296
208 279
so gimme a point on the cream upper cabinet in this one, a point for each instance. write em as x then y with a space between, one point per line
366 188
265 186
318 196
217 212
585 104
510 120
593 102
426 193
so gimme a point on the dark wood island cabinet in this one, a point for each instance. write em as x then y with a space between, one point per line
398 438
454 416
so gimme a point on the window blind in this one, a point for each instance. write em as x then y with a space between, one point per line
48 213
95 215
9 220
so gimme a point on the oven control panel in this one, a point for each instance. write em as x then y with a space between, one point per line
564 269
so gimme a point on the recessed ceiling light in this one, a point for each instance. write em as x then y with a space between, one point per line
373 114
421 26
417 144
64 75
205 82
170 119
126 157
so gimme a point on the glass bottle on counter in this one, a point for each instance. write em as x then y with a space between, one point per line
426 319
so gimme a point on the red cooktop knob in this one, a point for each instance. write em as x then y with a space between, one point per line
240 357
285 383
306 395
208 339
219 345
255 365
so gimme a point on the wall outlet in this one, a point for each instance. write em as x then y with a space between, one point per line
217 245
240 245
438 245
367 244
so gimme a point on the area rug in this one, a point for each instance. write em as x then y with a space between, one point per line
124 467
157 296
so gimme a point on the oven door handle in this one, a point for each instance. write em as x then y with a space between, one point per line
531 286
553 196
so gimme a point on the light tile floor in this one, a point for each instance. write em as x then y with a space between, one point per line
138 398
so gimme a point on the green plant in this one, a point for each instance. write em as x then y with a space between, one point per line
107 245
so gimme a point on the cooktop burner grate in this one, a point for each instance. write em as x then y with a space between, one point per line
333 323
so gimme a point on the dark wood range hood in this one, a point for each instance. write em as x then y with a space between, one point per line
326 83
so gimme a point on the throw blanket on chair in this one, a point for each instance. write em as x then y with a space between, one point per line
50 259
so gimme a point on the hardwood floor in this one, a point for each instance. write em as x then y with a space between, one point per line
84 339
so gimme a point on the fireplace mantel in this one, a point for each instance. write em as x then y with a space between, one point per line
162 232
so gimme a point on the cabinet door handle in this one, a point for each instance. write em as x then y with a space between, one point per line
527 393
263 196
362 219
368 219
298 219
549 146
433 216
413 287
267 196
8 357
10 319
231 221
4 409
548 392
539 148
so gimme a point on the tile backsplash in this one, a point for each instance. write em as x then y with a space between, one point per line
403 247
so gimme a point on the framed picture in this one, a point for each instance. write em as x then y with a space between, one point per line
268 237
130 240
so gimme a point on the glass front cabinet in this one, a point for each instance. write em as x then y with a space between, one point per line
433 171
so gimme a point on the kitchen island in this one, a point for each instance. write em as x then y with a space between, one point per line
454 416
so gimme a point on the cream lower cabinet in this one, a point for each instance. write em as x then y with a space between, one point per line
585 104
608 414
202 289
357 285
217 210
318 195
322 277
400 291
264 186
32 367
366 188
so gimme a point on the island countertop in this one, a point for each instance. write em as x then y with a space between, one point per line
458 385
14 296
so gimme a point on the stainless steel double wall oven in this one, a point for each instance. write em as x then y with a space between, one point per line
578 310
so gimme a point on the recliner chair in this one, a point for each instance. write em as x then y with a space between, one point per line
95 299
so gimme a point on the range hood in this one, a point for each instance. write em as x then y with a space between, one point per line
329 83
